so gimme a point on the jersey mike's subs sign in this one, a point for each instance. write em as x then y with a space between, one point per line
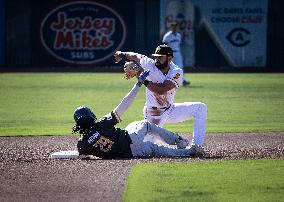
82 32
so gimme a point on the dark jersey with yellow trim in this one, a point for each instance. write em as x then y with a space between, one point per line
106 141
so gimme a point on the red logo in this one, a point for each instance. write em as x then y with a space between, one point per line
82 32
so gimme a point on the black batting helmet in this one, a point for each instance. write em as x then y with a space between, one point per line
84 117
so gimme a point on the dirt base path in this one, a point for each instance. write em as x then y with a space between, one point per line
28 174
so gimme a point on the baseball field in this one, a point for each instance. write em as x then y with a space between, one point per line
244 141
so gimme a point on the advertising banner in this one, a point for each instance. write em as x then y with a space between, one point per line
183 13
2 32
238 28
80 32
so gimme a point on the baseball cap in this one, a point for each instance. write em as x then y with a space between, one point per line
173 23
163 50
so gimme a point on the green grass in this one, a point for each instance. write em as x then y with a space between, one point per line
255 180
43 104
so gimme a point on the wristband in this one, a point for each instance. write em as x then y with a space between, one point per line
146 83
123 56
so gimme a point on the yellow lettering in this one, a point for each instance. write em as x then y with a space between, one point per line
104 144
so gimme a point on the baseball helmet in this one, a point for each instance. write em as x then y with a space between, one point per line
84 117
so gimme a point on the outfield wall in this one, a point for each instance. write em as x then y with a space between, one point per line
85 34
2 32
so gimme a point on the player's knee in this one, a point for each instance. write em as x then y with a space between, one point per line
144 124
147 124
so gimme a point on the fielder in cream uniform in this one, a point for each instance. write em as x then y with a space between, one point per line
161 85
161 101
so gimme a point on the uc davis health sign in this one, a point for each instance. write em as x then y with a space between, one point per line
183 13
82 32
237 28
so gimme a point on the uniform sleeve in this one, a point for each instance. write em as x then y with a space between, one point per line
147 63
176 77
110 119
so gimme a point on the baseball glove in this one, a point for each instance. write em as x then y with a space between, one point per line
131 69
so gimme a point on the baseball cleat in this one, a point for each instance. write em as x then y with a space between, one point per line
186 83
196 151
182 143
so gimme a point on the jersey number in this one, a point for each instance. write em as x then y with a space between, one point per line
104 144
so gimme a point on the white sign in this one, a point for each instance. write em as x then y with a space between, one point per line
183 13
238 28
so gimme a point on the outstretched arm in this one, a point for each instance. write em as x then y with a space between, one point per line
129 98
127 56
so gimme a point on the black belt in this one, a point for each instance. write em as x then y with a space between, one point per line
161 108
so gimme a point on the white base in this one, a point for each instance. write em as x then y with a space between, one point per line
64 155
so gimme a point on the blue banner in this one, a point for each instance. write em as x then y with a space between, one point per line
81 32
2 32
183 13
237 28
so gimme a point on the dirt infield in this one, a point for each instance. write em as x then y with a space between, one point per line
28 174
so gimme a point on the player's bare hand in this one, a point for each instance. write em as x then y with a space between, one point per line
118 55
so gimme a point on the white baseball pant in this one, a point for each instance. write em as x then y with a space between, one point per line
179 112
140 147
